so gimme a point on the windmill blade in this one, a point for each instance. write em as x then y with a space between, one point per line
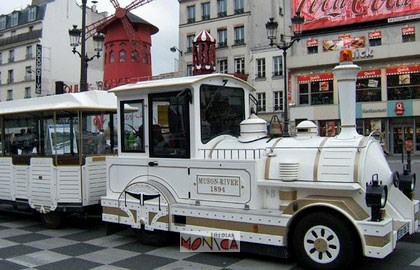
91 28
130 31
137 3
115 3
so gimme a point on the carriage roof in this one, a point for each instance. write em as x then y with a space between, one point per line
95 100
179 82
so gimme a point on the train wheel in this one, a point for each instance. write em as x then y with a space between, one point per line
52 220
324 241
154 238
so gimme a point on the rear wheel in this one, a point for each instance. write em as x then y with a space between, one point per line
52 220
324 241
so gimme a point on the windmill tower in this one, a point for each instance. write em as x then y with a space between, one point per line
127 45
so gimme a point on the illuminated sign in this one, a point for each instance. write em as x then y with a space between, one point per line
38 69
330 13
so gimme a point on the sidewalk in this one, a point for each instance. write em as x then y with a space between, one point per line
398 159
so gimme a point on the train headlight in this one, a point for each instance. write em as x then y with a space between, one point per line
407 183
376 197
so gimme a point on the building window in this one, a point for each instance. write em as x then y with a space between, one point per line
9 94
261 102
316 93
312 49
134 56
239 35
190 14
368 89
205 11
32 14
239 6
14 20
0 82
222 65
190 40
277 66
221 8
240 65
11 56
1 58
111 56
260 68
278 101
190 70
28 73
27 92
403 86
222 37
375 38
123 55
29 52
10 76
408 34
375 42
3 20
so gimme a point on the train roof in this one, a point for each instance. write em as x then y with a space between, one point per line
178 82
94 100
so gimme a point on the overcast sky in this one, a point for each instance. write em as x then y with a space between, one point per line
162 13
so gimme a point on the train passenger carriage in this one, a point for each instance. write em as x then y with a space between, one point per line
193 157
53 152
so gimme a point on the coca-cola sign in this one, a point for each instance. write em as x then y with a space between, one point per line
328 13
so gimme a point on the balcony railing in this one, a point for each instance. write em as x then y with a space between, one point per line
239 42
191 20
222 14
205 17
239 11
21 37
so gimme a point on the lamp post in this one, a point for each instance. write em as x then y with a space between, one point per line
271 27
78 37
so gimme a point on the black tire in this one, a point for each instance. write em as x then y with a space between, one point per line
52 220
324 241
154 238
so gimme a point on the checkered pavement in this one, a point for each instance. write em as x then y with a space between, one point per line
83 244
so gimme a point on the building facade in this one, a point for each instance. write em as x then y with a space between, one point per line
384 40
35 51
225 20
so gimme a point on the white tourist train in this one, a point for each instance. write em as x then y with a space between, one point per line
53 152
192 158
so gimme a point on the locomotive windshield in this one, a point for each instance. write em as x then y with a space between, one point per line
221 111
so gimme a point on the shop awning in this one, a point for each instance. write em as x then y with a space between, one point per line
369 74
315 77
409 30
312 43
375 34
402 70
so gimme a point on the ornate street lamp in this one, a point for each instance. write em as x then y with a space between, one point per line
78 37
271 27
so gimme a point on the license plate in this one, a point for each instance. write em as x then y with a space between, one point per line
403 231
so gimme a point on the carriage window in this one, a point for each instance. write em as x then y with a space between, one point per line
132 128
99 135
169 125
222 110
21 136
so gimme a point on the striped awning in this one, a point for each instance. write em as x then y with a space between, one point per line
369 74
403 70
315 77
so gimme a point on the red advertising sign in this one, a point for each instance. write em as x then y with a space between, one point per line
375 34
330 13
312 43
409 30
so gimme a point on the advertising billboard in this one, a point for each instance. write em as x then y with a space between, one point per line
327 13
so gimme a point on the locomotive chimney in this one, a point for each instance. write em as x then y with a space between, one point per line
346 73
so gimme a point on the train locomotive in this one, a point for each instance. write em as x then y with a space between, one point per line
196 165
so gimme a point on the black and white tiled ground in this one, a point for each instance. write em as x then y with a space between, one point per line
83 244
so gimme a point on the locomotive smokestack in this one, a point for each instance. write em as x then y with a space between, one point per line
346 73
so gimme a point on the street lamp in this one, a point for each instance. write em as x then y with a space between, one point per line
271 27
78 37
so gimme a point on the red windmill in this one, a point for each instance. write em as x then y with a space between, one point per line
127 44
